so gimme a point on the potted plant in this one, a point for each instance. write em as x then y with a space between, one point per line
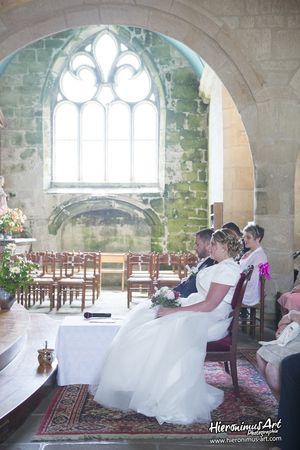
15 272
12 221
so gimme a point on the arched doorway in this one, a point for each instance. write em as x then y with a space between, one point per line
115 224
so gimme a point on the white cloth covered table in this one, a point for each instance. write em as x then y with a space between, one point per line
81 346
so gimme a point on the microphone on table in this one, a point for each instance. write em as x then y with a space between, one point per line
88 315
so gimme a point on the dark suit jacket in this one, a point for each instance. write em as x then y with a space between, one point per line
188 286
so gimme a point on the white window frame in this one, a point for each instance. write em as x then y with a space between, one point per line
119 187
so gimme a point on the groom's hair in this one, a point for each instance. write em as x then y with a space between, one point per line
205 234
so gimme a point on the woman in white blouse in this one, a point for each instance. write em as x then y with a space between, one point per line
252 236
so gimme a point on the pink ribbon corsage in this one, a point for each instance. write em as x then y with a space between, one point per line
264 270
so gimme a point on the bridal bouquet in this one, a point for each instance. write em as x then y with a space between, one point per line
165 297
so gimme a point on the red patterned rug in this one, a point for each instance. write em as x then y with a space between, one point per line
73 415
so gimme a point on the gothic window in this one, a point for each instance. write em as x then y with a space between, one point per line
105 118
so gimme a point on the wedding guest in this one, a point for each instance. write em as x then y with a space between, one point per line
252 236
155 365
269 357
234 227
290 300
202 248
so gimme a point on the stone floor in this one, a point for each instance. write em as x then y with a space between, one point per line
116 303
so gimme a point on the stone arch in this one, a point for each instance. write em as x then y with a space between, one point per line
66 211
209 36
271 121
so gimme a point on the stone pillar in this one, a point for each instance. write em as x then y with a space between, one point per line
274 164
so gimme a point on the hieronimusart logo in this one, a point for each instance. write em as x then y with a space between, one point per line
266 427
261 431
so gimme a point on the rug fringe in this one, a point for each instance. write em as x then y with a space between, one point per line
123 437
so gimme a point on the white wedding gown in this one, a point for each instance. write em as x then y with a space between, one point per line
156 366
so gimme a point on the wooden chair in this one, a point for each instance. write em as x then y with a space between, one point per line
97 274
91 271
91 263
253 320
44 283
169 269
140 274
225 349
72 282
113 263
189 259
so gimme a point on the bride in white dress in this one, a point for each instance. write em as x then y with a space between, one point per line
155 364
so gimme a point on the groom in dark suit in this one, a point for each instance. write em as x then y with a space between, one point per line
202 246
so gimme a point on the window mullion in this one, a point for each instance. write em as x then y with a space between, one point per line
132 177
79 145
106 118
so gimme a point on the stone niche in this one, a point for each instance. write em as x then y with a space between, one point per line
106 230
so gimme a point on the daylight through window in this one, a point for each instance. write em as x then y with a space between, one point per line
105 120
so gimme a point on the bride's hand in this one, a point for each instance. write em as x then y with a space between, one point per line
161 312
165 311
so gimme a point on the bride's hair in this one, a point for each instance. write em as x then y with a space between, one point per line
228 237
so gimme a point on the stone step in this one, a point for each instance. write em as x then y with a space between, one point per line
13 333
23 382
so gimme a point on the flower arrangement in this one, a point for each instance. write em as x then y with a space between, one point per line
264 270
15 271
165 297
11 221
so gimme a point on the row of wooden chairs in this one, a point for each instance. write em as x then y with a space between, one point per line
63 276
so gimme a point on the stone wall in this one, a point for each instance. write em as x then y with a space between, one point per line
252 45
297 206
238 167
179 210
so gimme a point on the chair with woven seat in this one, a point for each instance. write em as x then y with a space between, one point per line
169 269
140 274
74 280
90 270
112 264
44 283
189 260
253 320
225 349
